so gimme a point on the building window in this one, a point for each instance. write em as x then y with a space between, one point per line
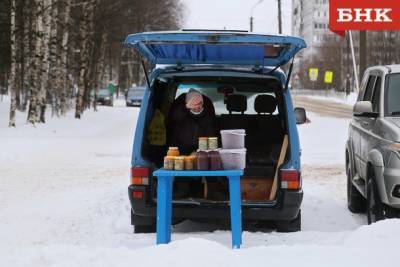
315 26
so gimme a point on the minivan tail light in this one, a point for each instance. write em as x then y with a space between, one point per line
140 176
290 179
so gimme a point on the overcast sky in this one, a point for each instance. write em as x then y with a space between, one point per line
235 15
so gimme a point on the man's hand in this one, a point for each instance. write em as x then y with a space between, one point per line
195 103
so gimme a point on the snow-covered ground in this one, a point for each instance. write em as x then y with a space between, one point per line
332 96
63 202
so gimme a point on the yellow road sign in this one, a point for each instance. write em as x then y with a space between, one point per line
313 73
328 77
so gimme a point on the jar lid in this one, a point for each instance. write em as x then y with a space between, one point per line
213 138
173 148
179 158
170 157
203 138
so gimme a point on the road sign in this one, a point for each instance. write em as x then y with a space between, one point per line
328 78
313 73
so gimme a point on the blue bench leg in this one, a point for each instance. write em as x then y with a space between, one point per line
236 211
164 209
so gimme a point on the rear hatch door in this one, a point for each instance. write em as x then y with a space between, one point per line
221 48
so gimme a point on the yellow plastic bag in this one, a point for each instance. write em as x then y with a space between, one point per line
156 133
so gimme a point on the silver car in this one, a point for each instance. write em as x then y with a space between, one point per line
373 146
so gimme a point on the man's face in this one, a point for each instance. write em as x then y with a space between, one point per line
195 104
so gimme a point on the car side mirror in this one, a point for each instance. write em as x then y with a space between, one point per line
301 116
364 109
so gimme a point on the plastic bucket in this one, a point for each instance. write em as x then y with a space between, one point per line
233 139
233 159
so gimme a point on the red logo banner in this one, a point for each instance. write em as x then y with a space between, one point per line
363 15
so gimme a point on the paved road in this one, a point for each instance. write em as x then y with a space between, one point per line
323 107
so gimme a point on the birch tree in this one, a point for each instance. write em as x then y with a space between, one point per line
36 65
54 70
44 64
88 9
13 106
61 80
41 39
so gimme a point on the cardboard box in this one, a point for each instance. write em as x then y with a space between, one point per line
255 189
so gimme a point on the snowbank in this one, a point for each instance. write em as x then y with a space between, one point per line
374 245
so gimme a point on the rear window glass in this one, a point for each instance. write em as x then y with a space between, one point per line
104 92
136 92
211 91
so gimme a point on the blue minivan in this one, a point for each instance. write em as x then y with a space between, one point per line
241 74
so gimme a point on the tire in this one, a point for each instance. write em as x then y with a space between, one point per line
375 208
355 201
289 226
144 229
143 226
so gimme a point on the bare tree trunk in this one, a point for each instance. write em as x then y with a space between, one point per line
26 52
100 67
62 83
54 71
33 102
13 106
88 8
45 62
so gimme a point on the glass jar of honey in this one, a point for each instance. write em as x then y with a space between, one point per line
169 162
203 143
189 164
215 160
212 143
173 151
179 163
202 161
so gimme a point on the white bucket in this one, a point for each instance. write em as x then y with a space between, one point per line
233 159
233 139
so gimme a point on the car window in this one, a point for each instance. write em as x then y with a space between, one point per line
210 90
362 88
393 95
369 88
103 92
136 92
376 95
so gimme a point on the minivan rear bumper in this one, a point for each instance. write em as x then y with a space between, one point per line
286 208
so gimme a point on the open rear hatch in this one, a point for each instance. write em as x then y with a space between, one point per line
221 48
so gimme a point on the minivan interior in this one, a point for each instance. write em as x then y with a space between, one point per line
254 103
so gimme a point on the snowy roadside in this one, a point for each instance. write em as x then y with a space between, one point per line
349 100
63 202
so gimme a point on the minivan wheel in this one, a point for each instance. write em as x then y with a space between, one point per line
355 201
144 229
289 226
375 207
